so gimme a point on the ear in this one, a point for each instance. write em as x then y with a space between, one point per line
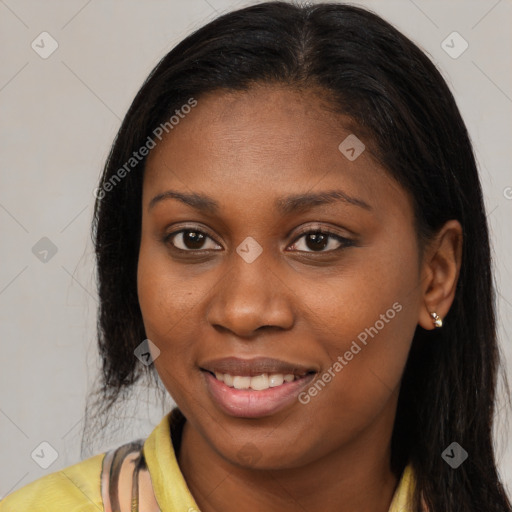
440 272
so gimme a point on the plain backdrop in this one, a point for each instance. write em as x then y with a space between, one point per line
58 118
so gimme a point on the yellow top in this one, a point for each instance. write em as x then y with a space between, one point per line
78 488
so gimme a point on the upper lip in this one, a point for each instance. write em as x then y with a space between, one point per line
254 366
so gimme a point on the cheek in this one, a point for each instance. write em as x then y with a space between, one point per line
167 305
369 315
172 302
165 298
352 299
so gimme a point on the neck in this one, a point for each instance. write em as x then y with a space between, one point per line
355 477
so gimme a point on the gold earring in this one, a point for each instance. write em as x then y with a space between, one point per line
438 322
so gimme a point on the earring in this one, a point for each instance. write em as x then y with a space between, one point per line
438 322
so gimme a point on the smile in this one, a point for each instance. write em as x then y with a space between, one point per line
256 383
257 396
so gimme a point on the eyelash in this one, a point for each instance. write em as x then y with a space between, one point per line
344 242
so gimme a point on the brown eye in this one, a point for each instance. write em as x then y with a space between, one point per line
191 240
318 241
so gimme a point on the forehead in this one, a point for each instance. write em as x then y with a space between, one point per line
263 143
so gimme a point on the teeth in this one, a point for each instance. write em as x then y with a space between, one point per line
276 379
241 382
257 383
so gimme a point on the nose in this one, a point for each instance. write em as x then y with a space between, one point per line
250 297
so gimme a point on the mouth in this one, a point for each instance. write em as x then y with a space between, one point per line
258 382
253 388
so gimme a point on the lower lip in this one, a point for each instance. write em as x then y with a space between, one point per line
247 403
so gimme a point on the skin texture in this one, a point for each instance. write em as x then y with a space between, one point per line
245 150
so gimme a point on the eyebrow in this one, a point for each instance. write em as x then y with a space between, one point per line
304 202
285 205
198 201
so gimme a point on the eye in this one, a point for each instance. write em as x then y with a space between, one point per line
317 240
191 240
314 240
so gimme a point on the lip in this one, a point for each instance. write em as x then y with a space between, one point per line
250 403
255 366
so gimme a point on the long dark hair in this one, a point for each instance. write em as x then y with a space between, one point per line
405 112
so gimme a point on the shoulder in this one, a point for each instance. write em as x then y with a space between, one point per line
76 488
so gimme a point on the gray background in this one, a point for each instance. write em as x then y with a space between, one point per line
58 118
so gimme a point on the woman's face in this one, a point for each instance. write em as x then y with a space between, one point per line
234 278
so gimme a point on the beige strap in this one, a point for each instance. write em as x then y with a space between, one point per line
105 477
126 482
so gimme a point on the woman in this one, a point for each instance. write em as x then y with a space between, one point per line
290 230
